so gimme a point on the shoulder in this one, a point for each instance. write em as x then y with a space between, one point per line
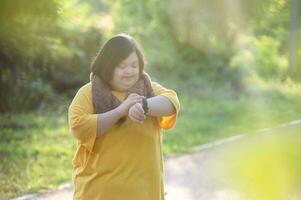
158 88
84 92
156 85
85 89
161 90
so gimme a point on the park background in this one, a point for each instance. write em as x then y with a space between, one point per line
233 64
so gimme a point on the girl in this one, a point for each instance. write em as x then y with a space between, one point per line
117 119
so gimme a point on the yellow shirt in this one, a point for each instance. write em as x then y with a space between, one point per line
126 163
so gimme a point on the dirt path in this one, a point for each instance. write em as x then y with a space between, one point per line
194 176
190 177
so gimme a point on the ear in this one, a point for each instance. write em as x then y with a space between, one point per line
91 76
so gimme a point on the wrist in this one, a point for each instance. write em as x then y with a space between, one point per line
120 112
145 105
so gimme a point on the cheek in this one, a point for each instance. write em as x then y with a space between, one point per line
117 74
137 70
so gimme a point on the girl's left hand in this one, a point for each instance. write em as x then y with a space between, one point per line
136 113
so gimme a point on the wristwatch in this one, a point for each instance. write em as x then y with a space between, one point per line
145 105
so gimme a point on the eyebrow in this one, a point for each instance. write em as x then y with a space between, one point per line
124 63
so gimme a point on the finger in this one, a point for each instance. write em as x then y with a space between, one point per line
135 120
134 101
133 112
133 98
138 98
139 114
140 108
137 101
133 95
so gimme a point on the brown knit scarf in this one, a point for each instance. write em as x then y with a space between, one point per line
104 100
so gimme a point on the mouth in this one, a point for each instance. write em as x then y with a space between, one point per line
128 78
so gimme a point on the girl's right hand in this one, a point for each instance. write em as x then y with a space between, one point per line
126 104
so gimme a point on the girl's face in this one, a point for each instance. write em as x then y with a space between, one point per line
126 74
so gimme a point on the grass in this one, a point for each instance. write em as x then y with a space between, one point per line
36 143
30 153
212 113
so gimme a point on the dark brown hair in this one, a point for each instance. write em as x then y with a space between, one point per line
112 53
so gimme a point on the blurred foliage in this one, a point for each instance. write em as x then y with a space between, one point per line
260 57
266 167
25 34
203 36
43 51
46 47
228 61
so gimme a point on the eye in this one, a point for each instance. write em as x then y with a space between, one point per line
121 66
135 64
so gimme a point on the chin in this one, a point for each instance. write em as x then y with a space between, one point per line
125 86
124 89
129 85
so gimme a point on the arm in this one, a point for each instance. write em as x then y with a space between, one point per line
165 121
85 125
81 118
105 121
157 106
160 106
165 106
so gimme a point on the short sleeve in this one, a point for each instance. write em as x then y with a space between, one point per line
167 122
82 121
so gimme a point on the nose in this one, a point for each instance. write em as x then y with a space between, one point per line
129 70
